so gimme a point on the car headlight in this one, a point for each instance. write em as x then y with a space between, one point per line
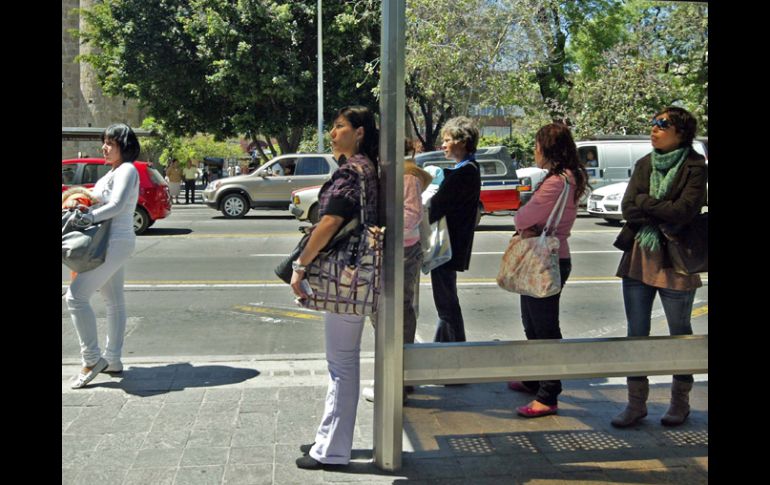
215 184
295 200
614 196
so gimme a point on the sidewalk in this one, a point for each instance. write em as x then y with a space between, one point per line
217 421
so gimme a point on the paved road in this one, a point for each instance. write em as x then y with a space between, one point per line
200 284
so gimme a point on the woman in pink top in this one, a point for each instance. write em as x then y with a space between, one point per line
556 152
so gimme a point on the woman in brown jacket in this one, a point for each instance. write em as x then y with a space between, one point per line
667 186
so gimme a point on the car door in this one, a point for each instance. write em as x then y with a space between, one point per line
270 184
310 171
614 163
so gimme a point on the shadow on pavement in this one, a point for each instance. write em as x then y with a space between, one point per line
152 381
165 232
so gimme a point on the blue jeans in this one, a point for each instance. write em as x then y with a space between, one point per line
677 305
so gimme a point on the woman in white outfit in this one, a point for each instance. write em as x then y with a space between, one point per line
355 144
117 193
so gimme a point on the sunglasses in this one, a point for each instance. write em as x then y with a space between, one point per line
661 123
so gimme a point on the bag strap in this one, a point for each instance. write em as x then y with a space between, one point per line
559 206
362 195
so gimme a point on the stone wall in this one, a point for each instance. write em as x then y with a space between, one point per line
83 103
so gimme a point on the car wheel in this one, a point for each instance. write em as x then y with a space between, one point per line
613 222
312 214
234 206
141 220
152 221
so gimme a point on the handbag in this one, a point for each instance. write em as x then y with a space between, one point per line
436 246
345 278
687 245
83 249
530 266
284 269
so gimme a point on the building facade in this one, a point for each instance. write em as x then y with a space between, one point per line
83 104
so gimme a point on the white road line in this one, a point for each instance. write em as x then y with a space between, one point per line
479 253
485 282
615 381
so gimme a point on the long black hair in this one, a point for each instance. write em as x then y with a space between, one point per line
361 116
124 136
558 147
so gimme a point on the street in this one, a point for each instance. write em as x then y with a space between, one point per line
202 285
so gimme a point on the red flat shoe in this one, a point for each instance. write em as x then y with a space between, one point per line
528 412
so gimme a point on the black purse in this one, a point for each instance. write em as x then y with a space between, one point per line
687 245
284 269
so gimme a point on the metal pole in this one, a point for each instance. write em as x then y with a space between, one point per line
389 337
320 83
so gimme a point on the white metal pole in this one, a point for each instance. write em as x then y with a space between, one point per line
389 336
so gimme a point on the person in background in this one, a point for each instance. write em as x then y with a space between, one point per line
415 181
667 186
355 144
458 199
555 151
174 179
117 193
190 173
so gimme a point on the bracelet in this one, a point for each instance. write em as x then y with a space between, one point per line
298 267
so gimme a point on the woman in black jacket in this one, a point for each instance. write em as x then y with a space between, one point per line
667 186
458 200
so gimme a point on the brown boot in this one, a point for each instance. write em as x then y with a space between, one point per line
680 404
636 408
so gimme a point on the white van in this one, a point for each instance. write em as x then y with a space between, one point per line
611 159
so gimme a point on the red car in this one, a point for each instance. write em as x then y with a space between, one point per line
154 200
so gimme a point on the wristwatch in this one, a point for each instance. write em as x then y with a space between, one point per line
298 267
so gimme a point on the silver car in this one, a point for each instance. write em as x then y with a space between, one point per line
271 185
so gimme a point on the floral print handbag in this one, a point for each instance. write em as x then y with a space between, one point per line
530 266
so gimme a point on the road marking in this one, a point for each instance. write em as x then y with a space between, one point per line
297 234
699 312
278 312
475 253
235 235
425 281
614 381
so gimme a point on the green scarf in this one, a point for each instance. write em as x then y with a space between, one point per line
665 166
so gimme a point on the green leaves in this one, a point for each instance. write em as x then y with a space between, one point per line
229 67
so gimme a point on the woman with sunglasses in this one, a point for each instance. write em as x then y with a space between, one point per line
667 186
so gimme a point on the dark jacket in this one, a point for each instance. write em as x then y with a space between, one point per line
679 206
458 200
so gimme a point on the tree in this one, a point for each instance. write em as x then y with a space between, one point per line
662 60
233 67
453 50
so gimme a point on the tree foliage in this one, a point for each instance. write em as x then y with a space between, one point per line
234 67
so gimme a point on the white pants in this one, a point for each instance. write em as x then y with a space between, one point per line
174 188
108 278
334 438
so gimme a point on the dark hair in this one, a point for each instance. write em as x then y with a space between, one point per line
558 147
684 123
361 116
124 136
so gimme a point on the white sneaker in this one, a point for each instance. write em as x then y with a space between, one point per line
82 379
368 393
